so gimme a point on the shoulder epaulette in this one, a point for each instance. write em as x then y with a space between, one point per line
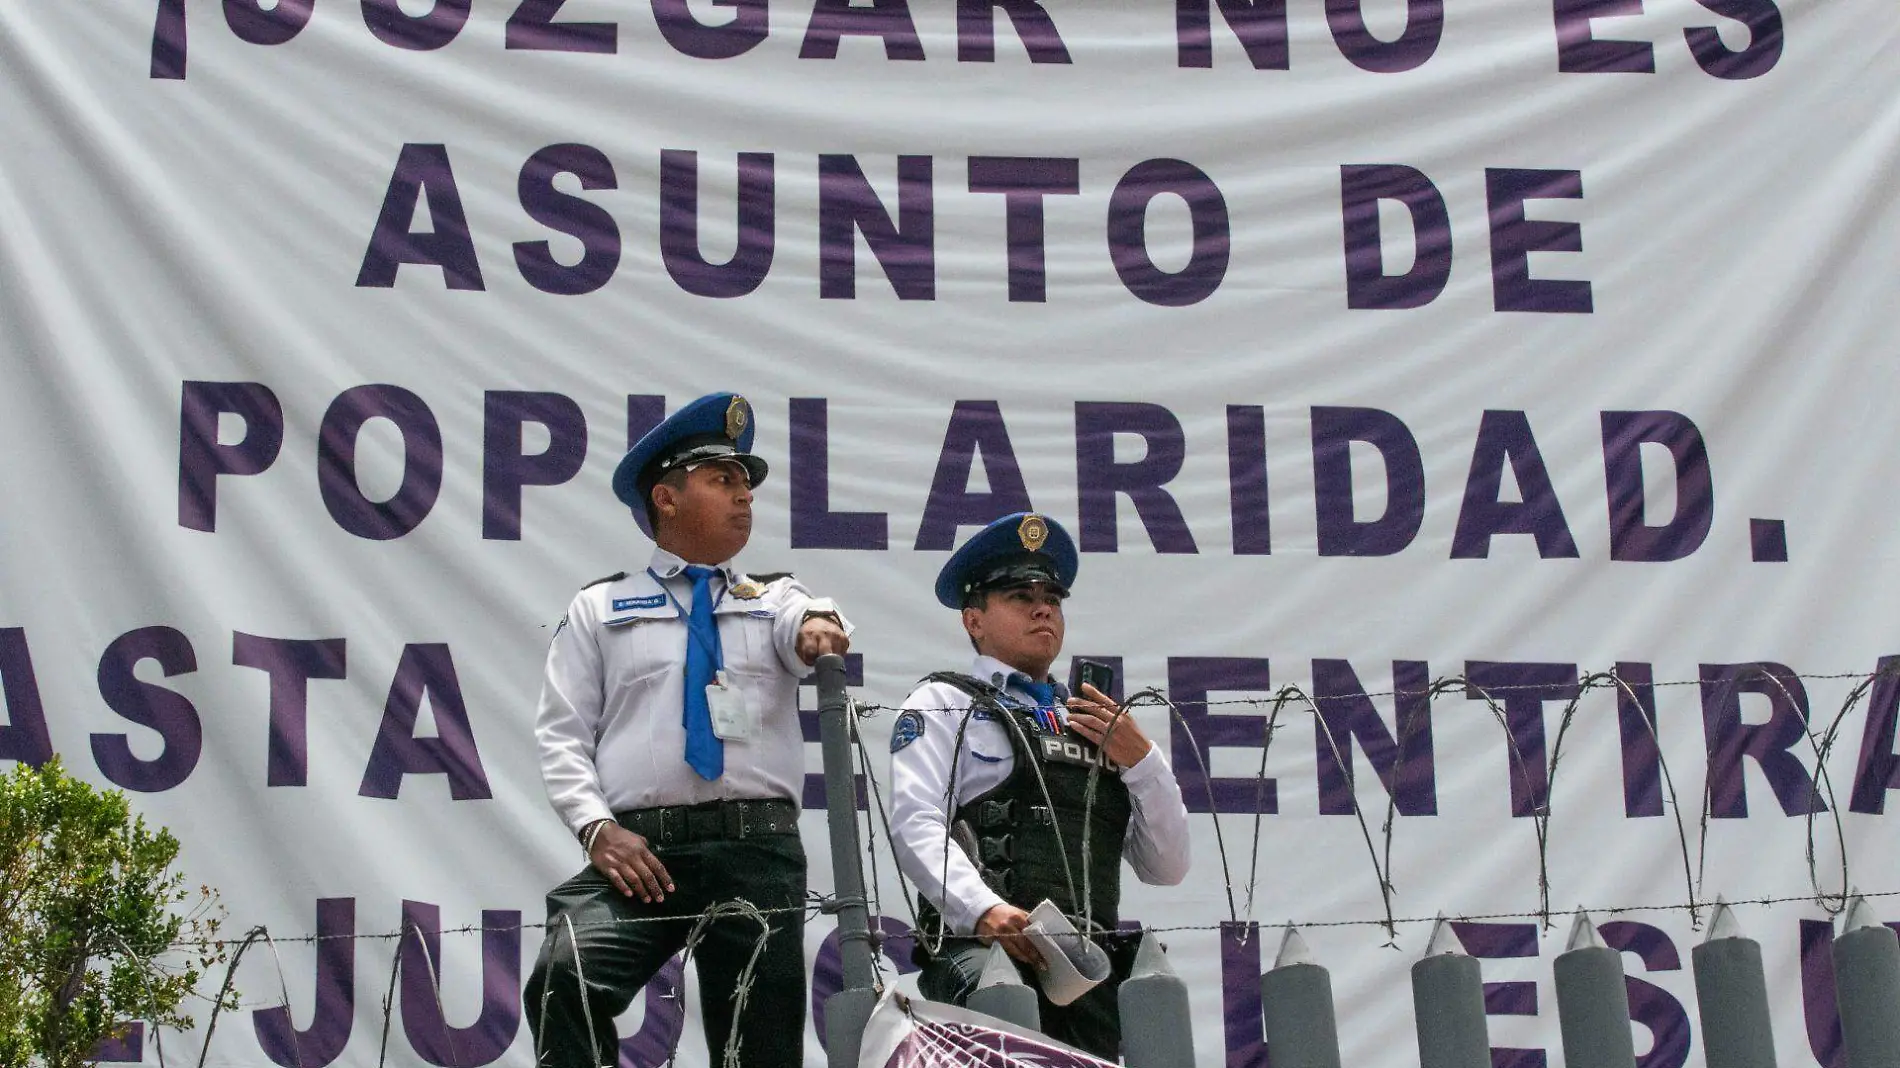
967 683
615 577
986 701
769 577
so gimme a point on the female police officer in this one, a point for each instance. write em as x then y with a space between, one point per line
1001 797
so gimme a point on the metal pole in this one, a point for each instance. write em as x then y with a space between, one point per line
1732 996
848 1009
1157 1031
1296 1008
1448 1005
1001 992
1593 1005
1867 986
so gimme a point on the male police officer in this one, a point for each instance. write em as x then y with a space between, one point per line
1006 764
670 746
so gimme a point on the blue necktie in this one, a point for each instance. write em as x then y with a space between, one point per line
1044 695
704 751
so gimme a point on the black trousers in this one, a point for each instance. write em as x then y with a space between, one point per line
1091 1023
617 957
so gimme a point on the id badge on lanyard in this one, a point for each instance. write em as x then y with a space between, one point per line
732 715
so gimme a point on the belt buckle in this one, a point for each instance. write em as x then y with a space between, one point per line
672 825
743 824
699 827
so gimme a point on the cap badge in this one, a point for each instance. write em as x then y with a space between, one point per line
1033 532
736 415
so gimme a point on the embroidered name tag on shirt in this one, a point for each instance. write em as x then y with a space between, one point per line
628 604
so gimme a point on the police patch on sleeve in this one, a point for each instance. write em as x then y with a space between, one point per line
908 728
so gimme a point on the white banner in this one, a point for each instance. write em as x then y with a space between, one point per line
1424 350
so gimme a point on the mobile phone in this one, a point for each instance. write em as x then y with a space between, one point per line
1093 672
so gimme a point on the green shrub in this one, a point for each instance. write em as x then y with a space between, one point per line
91 920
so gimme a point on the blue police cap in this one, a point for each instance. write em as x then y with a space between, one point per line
717 426
1015 550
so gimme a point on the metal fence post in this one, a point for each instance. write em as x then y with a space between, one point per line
1157 1031
1732 996
848 1009
1001 992
1867 986
1296 1008
1593 1006
1448 1004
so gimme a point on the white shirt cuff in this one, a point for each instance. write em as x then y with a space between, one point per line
1147 769
966 925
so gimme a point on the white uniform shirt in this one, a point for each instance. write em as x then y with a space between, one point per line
1157 842
611 721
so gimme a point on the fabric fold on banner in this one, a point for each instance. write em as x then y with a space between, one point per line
910 1032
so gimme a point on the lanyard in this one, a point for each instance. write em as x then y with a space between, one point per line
715 653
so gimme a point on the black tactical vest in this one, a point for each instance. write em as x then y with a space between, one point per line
1022 835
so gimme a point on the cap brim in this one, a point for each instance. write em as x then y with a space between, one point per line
755 466
1017 575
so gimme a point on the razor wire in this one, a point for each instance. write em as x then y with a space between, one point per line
1821 743
731 909
1820 787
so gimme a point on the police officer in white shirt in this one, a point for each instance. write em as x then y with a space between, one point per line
670 746
997 775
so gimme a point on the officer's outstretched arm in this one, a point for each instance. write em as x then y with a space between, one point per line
794 608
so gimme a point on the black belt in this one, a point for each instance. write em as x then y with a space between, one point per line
680 824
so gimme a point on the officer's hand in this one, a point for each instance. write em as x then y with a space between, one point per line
1095 716
818 636
623 857
1005 923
